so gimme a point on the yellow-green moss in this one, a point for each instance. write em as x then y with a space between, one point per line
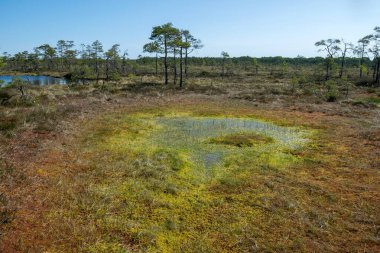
144 194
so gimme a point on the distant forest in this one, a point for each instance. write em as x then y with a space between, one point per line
169 51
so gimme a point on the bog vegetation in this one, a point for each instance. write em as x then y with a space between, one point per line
175 153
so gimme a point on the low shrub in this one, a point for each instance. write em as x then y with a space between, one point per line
332 92
241 140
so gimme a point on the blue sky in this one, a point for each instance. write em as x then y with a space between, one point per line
240 27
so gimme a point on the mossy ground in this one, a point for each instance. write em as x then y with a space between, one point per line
156 198
373 100
113 189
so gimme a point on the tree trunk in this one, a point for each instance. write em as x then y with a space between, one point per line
181 68
361 69
61 62
186 56
156 64
327 70
361 65
175 67
374 67
124 66
342 64
166 61
377 71
107 70
97 76
97 70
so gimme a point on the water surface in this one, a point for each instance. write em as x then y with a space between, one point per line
193 135
35 80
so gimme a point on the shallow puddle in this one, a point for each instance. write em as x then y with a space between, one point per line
192 135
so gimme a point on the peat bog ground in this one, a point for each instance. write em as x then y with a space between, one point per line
154 169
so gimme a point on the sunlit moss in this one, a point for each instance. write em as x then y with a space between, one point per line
153 184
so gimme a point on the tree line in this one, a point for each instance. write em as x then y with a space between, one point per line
169 51
366 47
89 62
167 42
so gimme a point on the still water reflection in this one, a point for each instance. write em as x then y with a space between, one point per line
36 80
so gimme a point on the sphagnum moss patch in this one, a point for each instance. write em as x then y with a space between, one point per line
159 182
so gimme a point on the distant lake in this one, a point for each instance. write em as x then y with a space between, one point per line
36 80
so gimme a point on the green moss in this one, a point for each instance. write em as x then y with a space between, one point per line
373 100
148 185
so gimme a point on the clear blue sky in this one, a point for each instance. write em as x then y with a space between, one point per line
240 27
